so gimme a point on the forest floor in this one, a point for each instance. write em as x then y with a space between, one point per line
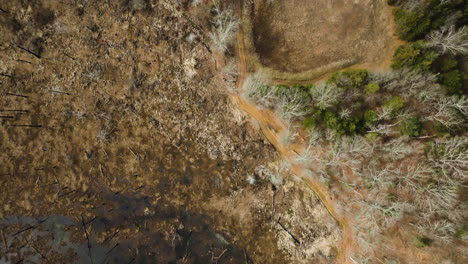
119 144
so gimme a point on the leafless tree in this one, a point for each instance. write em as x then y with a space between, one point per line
274 172
376 177
288 136
396 149
226 24
255 90
450 111
306 156
449 40
450 156
385 214
325 95
230 71
291 107
315 136
441 229
436 196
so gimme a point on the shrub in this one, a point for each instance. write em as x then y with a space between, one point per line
369 117
414 56
350 125
349 79
331 120
394 104
314 119
439 128
410 127
372 136
411 25
372 88
448 64
422 242
452 81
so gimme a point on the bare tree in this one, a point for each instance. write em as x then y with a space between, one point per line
255 90
288 137
226 24
306 156
450 156
449 40
315 136
274 172
291 108
436 196
325 95
396 149
376 177
441 229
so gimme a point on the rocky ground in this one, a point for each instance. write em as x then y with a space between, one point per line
119 144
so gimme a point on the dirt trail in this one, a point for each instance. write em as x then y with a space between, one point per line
272 128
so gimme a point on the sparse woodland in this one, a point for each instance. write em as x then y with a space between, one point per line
395 141
390 147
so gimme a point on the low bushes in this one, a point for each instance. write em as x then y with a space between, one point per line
410 127
349 79
394 104
372 88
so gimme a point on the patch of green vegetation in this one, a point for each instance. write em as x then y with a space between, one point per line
349 79
440 129
394 104
462 232
369 117
452 82
410 127
450 77
313 119
331 120
328 118
422 242
414 56
411 25
448 64
372 136
372 88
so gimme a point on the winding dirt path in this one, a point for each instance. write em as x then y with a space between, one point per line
272 128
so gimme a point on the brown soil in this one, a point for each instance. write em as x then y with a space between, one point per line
309 37
118 143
